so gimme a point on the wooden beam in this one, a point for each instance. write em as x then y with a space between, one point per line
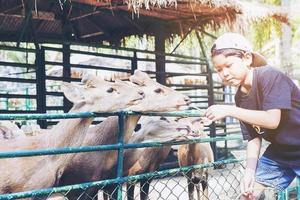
85 15
12 9
92 2
92 34
48 16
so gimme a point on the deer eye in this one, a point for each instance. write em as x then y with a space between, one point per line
163 118
158 90
137 127
110 90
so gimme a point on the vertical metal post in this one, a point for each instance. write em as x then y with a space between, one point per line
298 187
211 99
134 62
121 121
40 83
66 73
160 58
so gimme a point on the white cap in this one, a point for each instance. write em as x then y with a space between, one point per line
239 42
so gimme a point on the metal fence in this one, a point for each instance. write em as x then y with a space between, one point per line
222 182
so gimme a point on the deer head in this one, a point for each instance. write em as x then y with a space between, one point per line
157 97
162 129
196 124
97 95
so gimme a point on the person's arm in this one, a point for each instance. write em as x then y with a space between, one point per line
253 151
267 119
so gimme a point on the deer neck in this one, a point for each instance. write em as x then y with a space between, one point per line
67 133
130 123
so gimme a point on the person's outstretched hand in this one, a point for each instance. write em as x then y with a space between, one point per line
216 112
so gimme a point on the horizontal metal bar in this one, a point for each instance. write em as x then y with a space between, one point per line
100 68
46 116
203 101
72 51
172 61
187 113
224 103
174 74
120 180
23 65
89 67
139 51
188 86
225 93
19 96
55 93
200 96
64 150
11 48
55 107
29 112
128 49
21 80
57 78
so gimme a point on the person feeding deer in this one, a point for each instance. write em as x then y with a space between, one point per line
267 106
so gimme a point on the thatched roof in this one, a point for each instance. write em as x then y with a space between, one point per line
95 20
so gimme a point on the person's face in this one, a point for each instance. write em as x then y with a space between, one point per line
233 70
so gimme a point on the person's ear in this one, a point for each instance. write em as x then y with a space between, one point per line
248 58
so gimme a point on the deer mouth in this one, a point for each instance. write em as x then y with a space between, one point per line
182 107
136 101
184 130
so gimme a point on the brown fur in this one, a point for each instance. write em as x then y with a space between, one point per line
193 154
27 173
99 165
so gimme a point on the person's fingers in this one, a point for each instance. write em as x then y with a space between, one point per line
210 116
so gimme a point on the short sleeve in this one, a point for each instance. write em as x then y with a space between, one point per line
248 131
276 90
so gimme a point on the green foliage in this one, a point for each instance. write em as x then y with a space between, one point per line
265 31
272 2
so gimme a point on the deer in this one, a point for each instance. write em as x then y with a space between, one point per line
142 160
148 160
193 154
9 130
95 95
157 98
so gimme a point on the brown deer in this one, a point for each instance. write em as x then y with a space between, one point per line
97 165
142 160
22 174
197 153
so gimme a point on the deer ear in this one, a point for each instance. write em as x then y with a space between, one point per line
140 78
90 80
72 92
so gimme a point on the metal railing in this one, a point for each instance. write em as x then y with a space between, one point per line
222 182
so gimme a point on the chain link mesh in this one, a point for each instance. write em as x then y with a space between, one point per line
215 183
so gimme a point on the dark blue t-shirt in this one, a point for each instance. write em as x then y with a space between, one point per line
272 89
